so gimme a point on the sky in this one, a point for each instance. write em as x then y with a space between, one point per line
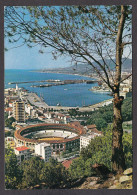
30 58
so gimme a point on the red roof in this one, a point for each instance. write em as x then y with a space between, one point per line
41 116
59 114
91 126
67 163
76 123
57 119
8 109
22 148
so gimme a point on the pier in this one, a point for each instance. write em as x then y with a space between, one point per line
55 82
20 82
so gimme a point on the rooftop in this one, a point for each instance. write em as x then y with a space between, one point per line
67 163
22 148
8 109
91 126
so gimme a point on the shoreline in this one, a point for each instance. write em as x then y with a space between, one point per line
82 109
64 73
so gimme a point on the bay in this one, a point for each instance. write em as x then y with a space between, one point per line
66 95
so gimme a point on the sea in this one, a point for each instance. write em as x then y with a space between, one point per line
72 95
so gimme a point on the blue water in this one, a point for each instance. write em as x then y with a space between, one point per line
73 95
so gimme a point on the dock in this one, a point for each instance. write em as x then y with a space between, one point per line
55 82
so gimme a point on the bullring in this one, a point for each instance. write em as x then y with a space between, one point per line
61 137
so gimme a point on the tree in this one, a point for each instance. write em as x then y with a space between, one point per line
86 34
99 150
128 150
106 113
77 168
31 171
12 172
9 121
73 112
54 175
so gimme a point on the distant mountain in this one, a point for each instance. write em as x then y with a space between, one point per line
86 69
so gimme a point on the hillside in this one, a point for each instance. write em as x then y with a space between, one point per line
86 69
123 181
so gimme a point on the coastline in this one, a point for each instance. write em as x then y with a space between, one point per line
63 73
42 103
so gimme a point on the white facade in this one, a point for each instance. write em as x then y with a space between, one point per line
22 153
17 87
126 89
30 110
44 150
85 139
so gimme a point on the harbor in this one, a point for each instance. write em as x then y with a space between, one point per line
34 99
68 90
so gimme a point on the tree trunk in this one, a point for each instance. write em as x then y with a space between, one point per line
118 160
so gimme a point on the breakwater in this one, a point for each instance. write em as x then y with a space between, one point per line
55 82
65 82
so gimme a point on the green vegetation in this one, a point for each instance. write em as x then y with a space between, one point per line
9 133
104 115
73 112
31 169
9 121
70 152
128 150
55 175
5 115
12 172
100 151
34 172
127 126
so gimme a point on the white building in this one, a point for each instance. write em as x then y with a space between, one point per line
126 89
22 153
44 150
85 139
30 111
17 87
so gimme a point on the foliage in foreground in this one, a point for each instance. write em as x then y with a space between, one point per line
100 151
12 171
34 172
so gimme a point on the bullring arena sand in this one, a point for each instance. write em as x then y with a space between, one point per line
51 138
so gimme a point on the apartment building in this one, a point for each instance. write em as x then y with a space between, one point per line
44 150
22 153
19 111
